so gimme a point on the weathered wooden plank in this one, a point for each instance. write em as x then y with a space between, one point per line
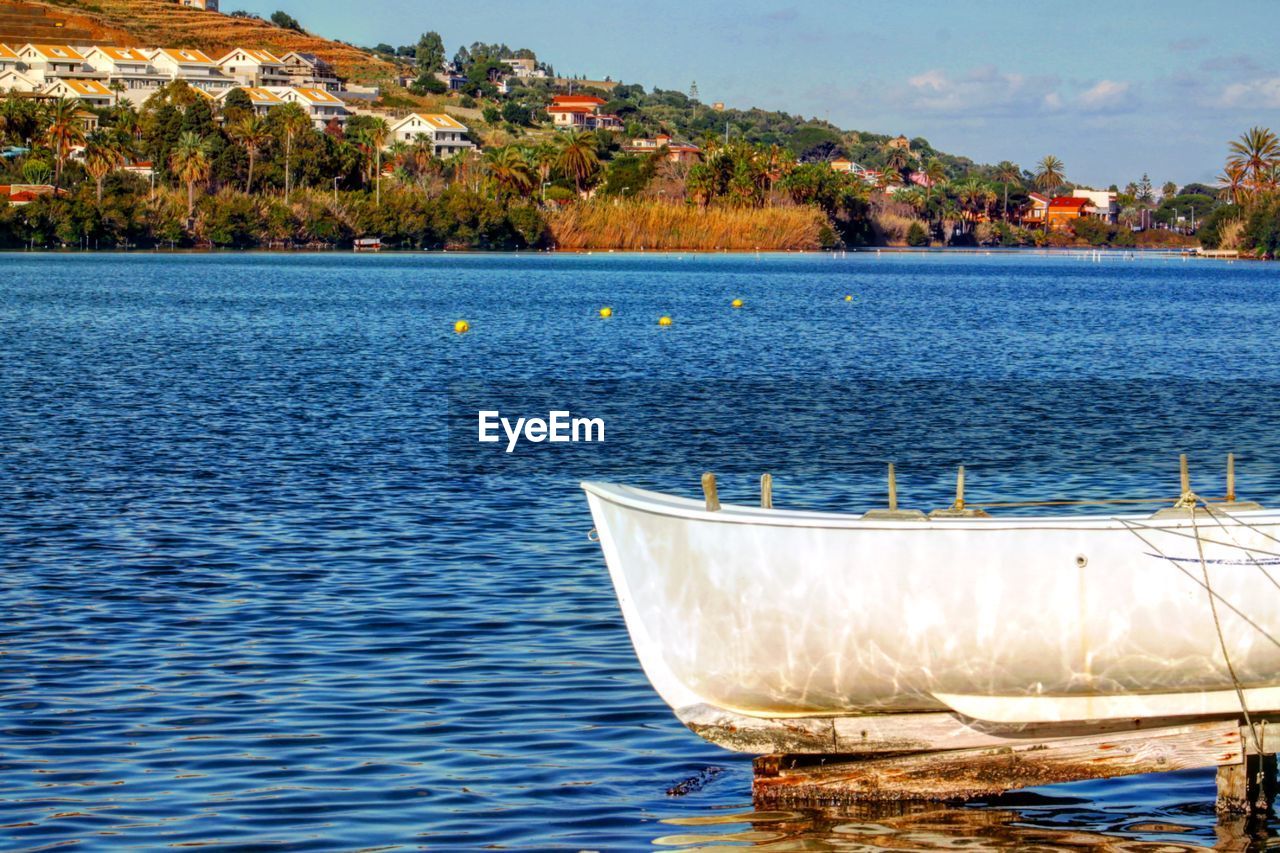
876 734
968 773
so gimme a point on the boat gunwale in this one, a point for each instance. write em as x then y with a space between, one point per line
674 506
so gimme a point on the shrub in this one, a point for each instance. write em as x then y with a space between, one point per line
1262 229
428 84
917 235
1093 231
1213 229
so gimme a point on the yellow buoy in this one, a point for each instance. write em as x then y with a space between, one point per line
848 299
606 312
461 327
737 303
664 321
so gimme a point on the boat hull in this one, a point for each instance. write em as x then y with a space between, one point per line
781 614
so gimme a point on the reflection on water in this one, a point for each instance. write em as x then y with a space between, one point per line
940 827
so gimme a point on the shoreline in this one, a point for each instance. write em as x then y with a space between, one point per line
860 250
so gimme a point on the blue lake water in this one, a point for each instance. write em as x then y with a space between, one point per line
261 589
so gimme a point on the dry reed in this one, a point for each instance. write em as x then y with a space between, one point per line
663 226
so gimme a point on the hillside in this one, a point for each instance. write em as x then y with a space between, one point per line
154 23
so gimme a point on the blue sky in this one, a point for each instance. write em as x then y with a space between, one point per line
1114 89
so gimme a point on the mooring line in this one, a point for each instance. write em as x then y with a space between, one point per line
1222 640
1127 525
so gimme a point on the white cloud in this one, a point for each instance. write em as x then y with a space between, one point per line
1106 96
987 92
983 91
1259 93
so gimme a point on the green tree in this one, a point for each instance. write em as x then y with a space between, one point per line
1145 191
285 21
578 159
291 122
103 154
1008 173
190 163
63 132
510 169
252 134
430 53
1254 155
1049 174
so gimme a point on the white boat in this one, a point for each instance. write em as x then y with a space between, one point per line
769 613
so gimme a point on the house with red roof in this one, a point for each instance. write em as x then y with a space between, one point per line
1065 209
675 152
20 194
581 112
1032 213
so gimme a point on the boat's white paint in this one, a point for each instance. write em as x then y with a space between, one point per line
785 613
1125 706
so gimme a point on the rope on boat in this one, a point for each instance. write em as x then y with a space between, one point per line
1071 502
1130 525
1192 501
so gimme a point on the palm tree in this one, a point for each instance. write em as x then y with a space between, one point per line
19 120
63 132
103 154
1232 182
252 133
118 88
1255 152
190 162
377 132
511 170
1169 190
544 160
935 173
292 122
896 158
578 158
1007 173
1049 173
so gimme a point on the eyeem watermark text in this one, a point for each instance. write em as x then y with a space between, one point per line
557 427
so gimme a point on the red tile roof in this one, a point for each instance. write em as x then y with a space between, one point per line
559 100
1069 201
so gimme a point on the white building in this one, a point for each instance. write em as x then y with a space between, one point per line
525 69
46 62
89 92
191 65
8 59
1104 202
13 81
323 107
250 67
207 5
129 67
262 99
309 70
447 135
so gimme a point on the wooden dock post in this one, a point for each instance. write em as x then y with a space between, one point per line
1248 788
766 491
893 489
710 493
1231 478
